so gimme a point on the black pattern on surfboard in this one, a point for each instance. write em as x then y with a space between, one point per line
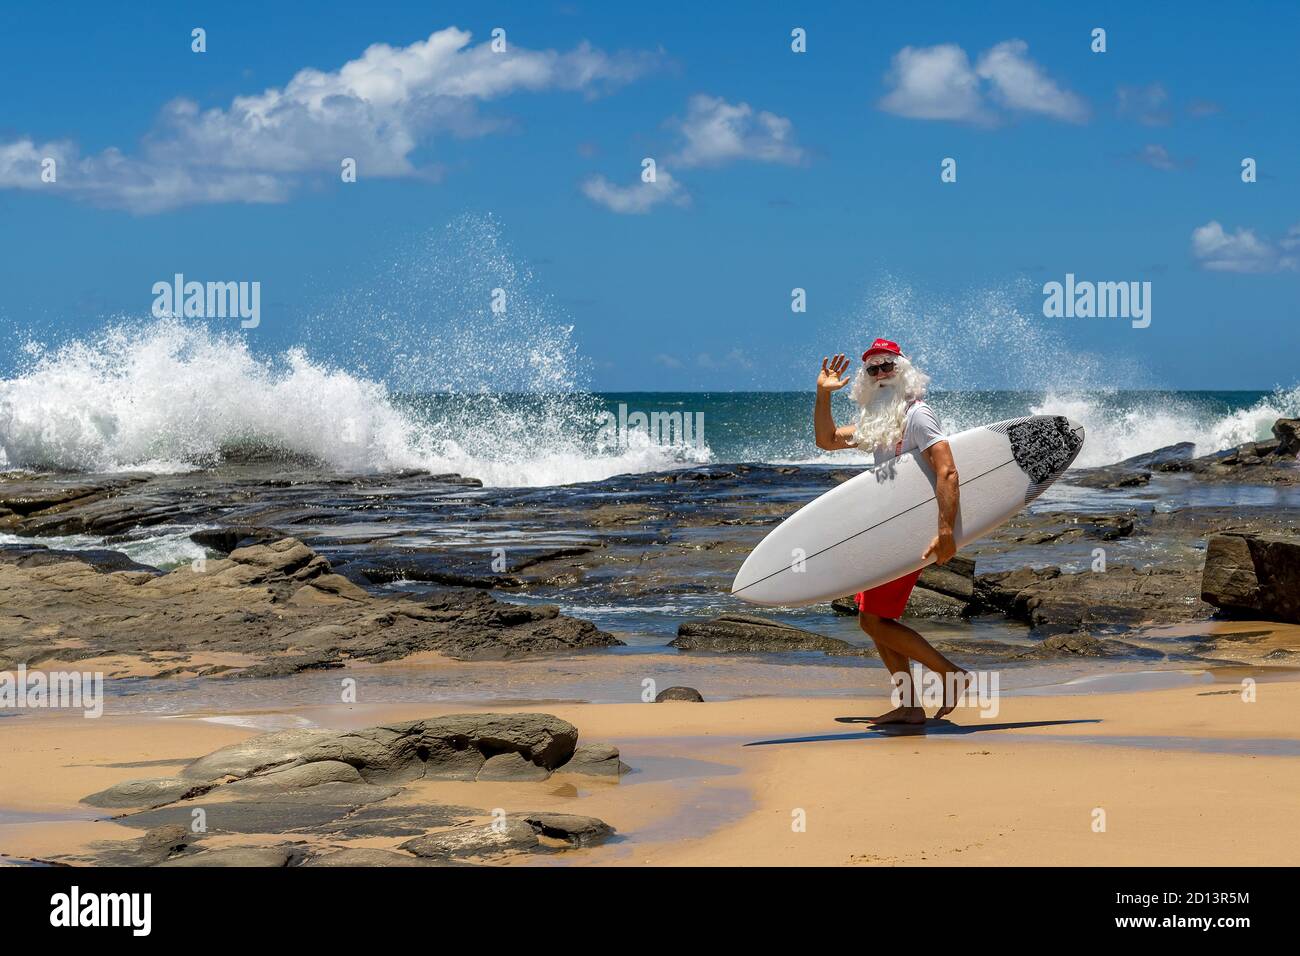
1043 446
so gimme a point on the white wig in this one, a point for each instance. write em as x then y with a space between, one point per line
883 411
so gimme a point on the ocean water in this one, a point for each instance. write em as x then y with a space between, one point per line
405 369
168 396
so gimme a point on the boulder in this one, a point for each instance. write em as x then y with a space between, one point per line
685 694
301 777
486 840
602 760
998 590
101 559
147 792
732 633
1158 459
1118 595
924 603
455 746
1082 644
512 767
570 827
264 752
235 856
1254 574
1111 477
954 579
1287 433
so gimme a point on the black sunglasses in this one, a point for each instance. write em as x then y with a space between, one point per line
874 370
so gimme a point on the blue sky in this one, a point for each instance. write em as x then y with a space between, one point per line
817 170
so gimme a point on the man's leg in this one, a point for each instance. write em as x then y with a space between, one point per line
902 640
900 675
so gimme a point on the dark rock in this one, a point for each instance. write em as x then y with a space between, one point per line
955 579
932 605
1253 574
488 840
165 841
1287 433
516 833
1110 477
455 746
150 792
999 589
731 633
394 820
687 694
1182 451
300 777
236 856
235 537
1119 595
512 766
602 760
281 602
1082 644
38 555
243 816
1229 580
429 569
367 857
261 753
845 605
573 829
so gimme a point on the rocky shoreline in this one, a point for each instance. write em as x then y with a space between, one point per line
320 791
301 566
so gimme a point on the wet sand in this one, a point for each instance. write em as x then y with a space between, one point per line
1189 774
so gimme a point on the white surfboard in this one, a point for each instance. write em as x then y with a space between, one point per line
874 527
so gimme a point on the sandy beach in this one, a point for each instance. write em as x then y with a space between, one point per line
1185 775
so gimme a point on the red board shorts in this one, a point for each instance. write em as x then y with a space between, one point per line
888 599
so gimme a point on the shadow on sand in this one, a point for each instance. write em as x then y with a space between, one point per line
931 728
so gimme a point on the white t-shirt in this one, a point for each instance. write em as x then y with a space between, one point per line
920 431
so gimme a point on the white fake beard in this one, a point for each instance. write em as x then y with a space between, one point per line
883 411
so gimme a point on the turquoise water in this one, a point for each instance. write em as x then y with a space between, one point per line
554 440
777 426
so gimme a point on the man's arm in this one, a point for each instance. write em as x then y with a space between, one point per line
947 491
831 380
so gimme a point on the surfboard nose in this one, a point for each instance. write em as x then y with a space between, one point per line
1075 427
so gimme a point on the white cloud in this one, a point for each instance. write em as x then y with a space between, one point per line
934 83
939 83
377 109
1242 251
717 132
1020 84
638 198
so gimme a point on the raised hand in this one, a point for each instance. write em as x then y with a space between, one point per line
832 378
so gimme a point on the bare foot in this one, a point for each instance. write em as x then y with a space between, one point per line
953 690
901 715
